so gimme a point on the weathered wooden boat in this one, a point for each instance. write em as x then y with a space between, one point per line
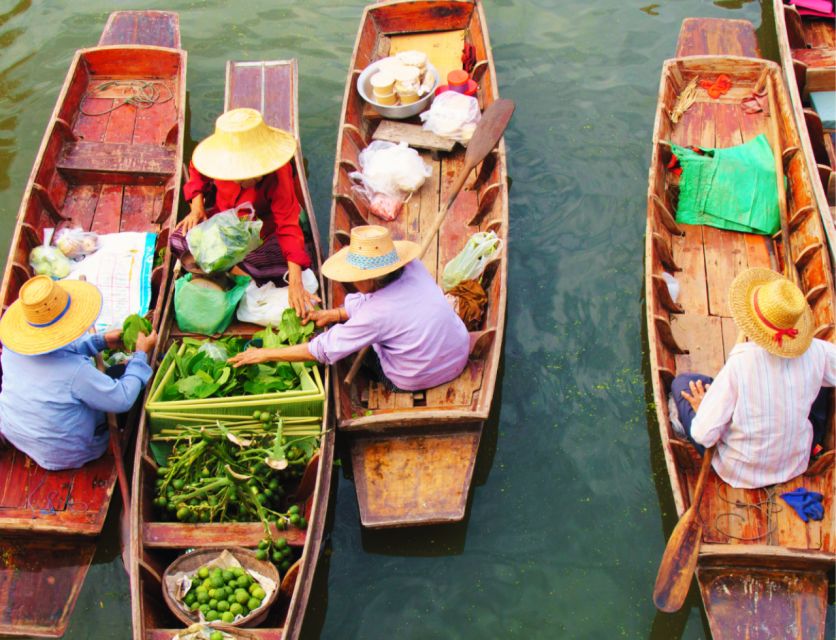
107 166
272 88
762 571
807 46
413 453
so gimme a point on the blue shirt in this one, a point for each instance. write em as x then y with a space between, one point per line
51 404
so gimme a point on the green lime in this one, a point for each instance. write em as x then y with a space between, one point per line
202 597
204 608
213 603
277 556
262 544
212 615
217 581
258 593
238 571
281 543
217 635
241 596
191 597
227 575
223 605
293 509
213 593
227 617
236 609
203 573
261 554
195 606
253 603
244 581
295 519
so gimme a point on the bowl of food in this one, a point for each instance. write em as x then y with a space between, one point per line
398 90
220 587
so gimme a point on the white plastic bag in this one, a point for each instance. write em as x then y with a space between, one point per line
452 115
264 305
389 173
225 239
76 243
49 261
470 262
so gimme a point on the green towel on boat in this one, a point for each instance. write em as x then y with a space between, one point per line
732 188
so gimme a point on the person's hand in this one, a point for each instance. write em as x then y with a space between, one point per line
147 343
250 356
195 217
300 299
113 339
697 394
324 317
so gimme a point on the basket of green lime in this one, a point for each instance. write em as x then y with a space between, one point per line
220 587
200 631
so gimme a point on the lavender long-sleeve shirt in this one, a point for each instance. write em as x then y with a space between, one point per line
420 340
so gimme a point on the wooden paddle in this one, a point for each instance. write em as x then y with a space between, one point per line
486 136
682 551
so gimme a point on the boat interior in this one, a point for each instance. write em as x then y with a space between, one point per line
388 29
695 332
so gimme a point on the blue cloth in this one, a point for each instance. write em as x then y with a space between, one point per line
51 404
807 504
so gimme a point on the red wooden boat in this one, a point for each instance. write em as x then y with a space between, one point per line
807 46
413 453
762 571
270 87
119 171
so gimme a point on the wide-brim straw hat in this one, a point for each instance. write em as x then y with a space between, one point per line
772 312
49 315
371 253
243 147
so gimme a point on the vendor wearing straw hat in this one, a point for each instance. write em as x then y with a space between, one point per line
758 409
418 340
53 398
247 161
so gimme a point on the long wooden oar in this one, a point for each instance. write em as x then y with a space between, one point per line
486 136
682 551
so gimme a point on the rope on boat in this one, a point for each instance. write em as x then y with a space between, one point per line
144 94
684 100
770 503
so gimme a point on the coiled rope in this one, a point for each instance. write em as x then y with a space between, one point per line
142 94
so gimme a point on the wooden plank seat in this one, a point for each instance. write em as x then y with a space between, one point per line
176 535
119 163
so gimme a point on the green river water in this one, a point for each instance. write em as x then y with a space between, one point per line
570 506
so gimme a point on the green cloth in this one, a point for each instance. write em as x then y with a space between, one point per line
206 311
732 188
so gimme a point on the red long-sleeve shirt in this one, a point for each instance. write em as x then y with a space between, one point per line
274 200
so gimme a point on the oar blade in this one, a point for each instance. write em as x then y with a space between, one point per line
678 564
491 126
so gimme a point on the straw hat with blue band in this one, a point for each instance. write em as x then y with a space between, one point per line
371 253
49 315
243 147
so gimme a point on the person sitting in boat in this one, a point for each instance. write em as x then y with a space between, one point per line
53 397
417 339
757 411
247 161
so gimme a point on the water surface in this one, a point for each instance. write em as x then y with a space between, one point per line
570 507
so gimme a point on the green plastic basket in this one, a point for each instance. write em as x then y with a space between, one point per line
305 402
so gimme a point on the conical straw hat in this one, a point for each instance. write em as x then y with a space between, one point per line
371 253
49 315
771 311
243 147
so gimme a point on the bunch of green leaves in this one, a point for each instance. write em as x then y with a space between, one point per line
131 328
291 331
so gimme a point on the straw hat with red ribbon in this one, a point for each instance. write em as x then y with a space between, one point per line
49 315
243 147
772 312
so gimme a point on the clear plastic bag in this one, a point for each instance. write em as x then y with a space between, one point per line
225 239
76 243
389 173
470 262
265 305
49 261
214 350
452 115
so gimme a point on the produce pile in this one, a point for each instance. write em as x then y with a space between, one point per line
202 370
238 471
223 594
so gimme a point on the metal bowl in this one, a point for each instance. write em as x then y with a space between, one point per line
396 112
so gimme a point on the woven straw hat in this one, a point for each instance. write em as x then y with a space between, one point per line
243 147
771 311
371 253
49 315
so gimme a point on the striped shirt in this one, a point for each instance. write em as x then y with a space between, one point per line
756 412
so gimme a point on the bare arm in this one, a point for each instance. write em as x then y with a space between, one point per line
296 353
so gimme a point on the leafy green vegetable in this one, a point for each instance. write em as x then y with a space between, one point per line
223 241
131 328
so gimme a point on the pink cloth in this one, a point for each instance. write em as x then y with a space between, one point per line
756 412
420 340
816 8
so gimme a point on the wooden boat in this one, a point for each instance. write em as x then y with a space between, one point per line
118 171
807 47
762 571
272 88
413 453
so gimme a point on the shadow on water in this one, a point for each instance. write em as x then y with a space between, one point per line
665 626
